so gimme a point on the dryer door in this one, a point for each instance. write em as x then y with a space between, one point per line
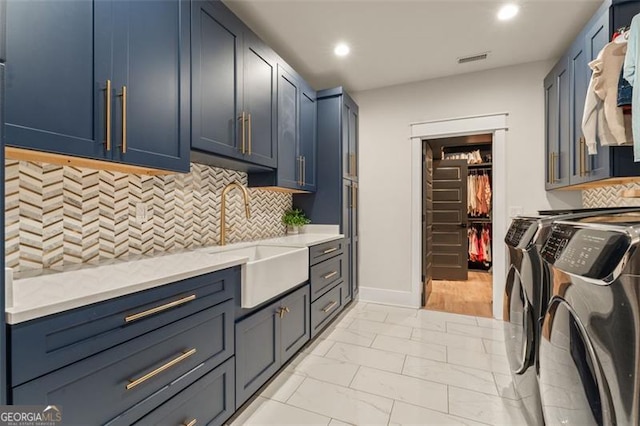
518 323
571 386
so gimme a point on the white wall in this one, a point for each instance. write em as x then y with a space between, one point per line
385 158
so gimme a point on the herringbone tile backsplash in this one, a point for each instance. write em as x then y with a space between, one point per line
60 215
609 196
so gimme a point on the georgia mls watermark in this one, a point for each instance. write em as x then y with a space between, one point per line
30 415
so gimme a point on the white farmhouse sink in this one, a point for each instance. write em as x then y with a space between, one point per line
270 271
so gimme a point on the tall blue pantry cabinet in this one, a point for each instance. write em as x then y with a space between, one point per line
3 360
336 198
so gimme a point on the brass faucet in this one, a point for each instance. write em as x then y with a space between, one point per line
245 192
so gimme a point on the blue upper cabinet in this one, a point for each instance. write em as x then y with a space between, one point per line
96 46
151 63
308 136
296 135
216 72
260 103
58 65
233 90
568 163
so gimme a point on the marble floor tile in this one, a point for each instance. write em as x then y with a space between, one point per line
453 342
448 317
367 315
388 309
490 323
381 328
325 369
407 414
481 361
448 374
335 422
505 386
343 323
344 404
283 386
494 347
485 408
431 351
374 358
403 388
275 413
420 321
348 335
319 347
476 331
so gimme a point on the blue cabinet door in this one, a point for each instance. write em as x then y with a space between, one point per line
596 37
289 161
579 78
216 80
257 351
308 132
259 106
151 60
295 325
58 63
557 125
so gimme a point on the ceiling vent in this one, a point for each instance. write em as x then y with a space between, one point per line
473 58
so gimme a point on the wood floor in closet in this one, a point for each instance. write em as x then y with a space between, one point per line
472 297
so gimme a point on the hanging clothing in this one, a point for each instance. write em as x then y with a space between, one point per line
630 66
480 245
625 91
602 118
478 195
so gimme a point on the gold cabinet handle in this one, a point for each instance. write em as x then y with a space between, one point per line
304 169
107 107
331 274
160 308
331 250
329 307
249 132
281 311
123 95
177 360
355 196
550 165
191 423
586 156
242 120
353 165
299 159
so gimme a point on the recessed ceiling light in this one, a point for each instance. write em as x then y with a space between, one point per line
508 11
341 49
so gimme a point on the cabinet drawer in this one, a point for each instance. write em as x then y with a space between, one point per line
325 308
325 251
46 344
326 274
208 401
129 373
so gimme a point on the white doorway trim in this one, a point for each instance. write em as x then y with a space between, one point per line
463 126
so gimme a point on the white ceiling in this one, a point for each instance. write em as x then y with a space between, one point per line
400 41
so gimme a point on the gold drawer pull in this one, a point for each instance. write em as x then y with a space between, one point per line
136 382
107 107
123 95
330 274
161 308
329 307
331 250
191 423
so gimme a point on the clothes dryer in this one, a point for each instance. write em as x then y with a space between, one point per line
589 354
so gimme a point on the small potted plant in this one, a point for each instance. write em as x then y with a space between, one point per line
294 219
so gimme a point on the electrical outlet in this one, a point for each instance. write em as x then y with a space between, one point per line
141 213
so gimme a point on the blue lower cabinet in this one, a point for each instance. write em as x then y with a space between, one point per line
294 324
257 351
268 338
100 388
208 401
325 308
47 344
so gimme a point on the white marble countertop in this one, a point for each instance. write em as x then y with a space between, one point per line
54 292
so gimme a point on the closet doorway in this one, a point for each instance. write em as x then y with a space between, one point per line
458 226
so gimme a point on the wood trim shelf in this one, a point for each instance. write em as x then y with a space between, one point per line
21 154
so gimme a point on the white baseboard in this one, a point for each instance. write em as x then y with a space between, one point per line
388 297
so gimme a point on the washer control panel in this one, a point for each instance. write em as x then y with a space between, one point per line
520 232
587 252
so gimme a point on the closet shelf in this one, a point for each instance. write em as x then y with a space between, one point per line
481 166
